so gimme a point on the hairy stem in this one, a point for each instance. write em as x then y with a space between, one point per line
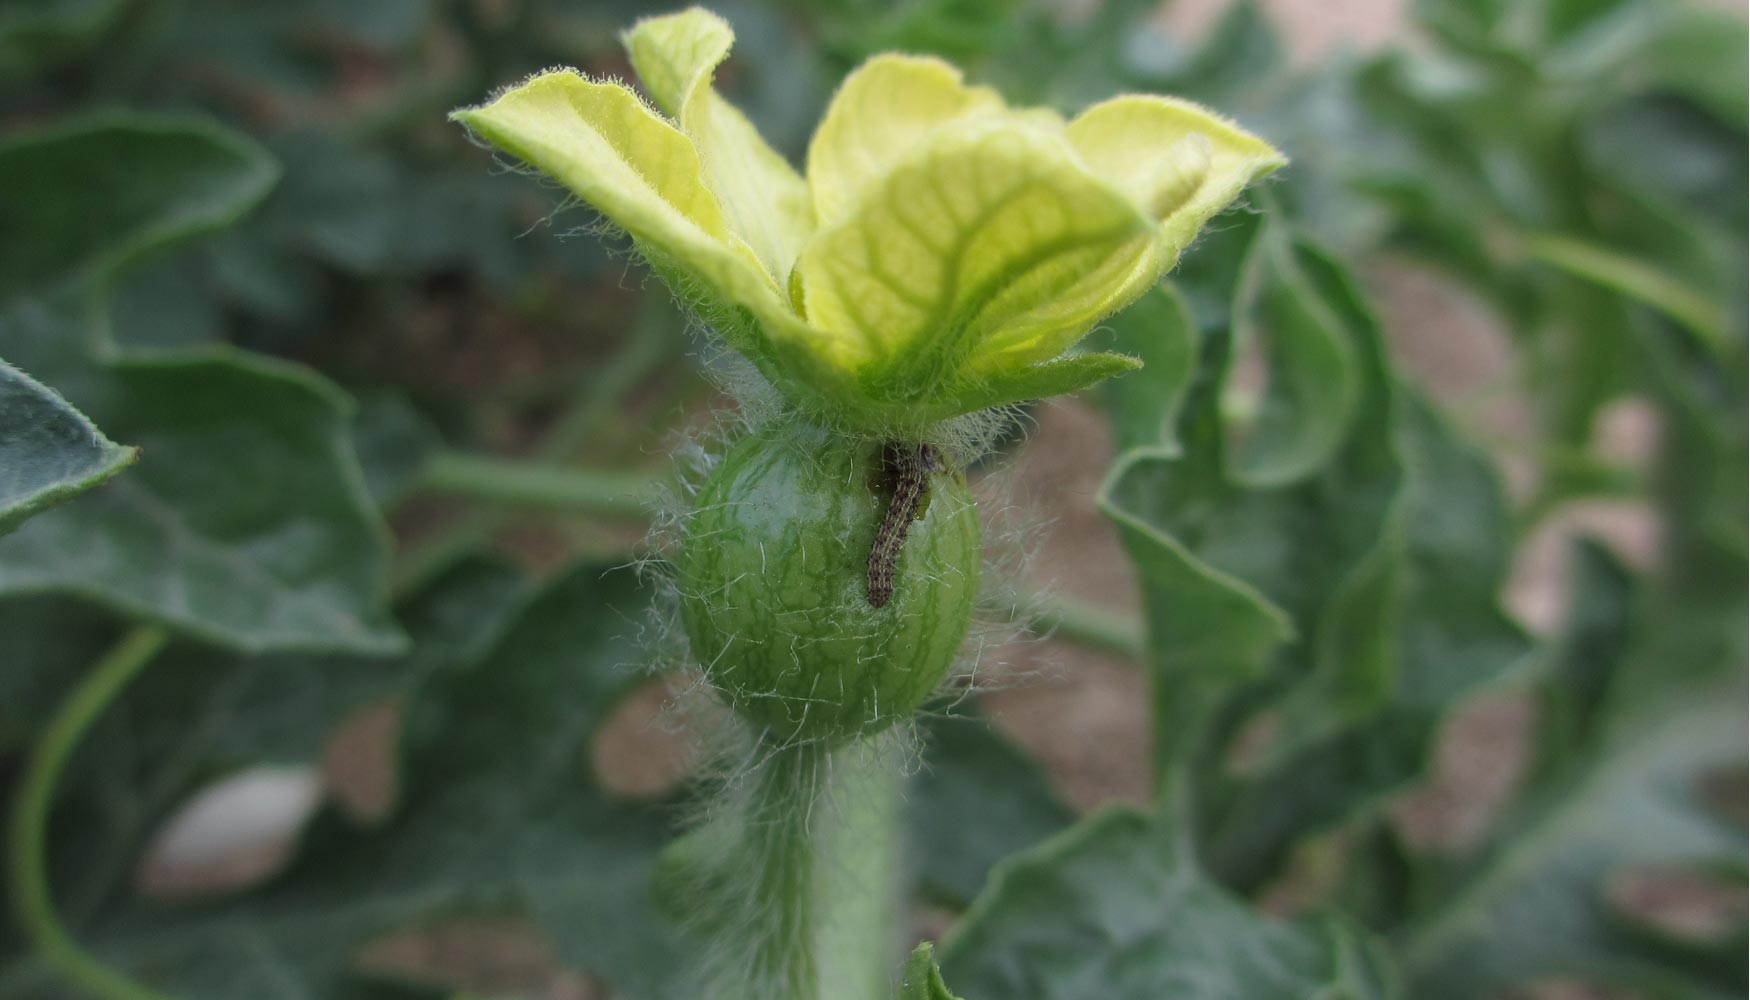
32 901
1089 625
819 845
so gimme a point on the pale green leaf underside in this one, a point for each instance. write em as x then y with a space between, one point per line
49 451
764 200
988 240
884 109
602 142
944 250
643 174
1180 161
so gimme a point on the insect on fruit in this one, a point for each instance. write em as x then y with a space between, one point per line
826 581
907 469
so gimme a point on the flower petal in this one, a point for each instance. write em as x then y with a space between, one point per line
765 201
990 238
882 111
1180 162
602 142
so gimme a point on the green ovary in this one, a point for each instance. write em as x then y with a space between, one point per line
773 576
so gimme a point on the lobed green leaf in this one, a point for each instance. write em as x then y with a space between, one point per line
246 522
1115 907
49 452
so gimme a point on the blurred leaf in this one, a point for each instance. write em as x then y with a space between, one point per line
172 300
1242 50
1309 399
37 33
394 442
923 980
1638 280
384 24
1247 533
45 643
385 989
49 452
978 800
1699 483
1200 619
498 815
1539 905
1701 53
1668 149
85 197
282 51
501 748
1451 638
957 30
1573 696
1145 404
201 714
1384 561
1114 908
460 219
1084 54
338 201
1637 737
246 522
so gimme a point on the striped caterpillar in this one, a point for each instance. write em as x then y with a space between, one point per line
907 469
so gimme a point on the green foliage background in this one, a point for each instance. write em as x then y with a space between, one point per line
253 284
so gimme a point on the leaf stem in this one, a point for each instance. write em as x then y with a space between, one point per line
32 900
536 484
1089 625
645 350
514 482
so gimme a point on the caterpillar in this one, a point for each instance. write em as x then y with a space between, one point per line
907 468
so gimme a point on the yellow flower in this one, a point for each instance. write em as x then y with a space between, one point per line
944 250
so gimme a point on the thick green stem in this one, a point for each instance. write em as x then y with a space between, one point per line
32 901
604 395
819 843
533 484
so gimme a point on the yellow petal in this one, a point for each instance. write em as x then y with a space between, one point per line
1180 163
763 198
882 111
992 237
602 142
